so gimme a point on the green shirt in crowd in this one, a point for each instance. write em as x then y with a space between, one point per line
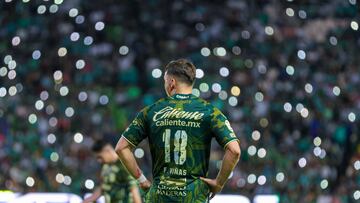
116 183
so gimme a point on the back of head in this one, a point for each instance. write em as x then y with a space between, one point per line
183 70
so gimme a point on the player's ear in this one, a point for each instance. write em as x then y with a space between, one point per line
173 82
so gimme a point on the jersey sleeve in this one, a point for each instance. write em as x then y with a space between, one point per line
136 131
221 128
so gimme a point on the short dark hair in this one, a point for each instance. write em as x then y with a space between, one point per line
99 145
183 70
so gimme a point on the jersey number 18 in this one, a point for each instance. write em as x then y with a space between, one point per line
180 143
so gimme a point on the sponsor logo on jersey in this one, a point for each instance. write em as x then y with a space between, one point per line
174 113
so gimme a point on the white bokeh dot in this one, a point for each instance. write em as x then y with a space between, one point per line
251 179
123 50
32 118
103 100
352 117
255 135
301 54
251 150
75 36
78 137
356 195
99 26
261 153
69 112
30 181
205 51
216 87
287 107
224 71
280 177
324 184
89 184
139 153
73 12
156 73
80 64
302 162
88 40
59 178
58 75
15 41
64 90
39 104
261 180
199 73
51 138
82 96
290 70
36 54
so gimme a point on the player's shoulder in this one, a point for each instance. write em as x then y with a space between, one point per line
202 101
207 104
150 107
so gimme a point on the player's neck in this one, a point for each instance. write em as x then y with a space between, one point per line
183 90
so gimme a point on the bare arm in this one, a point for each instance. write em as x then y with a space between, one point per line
124 151
94 196
135 194
231 158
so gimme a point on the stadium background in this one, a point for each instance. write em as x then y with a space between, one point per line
285 72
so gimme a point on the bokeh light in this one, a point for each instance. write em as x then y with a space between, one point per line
205 51
255 135
156 73
78 137
252 150
51 138
54 157
302 162
324 184
261 153
251 179
123 50
261 180
89 184
30 181
280 177
199 73
139 153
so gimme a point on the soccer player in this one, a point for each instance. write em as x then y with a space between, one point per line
118 186
180 128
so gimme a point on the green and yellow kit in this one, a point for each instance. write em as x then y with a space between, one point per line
116 183
180 129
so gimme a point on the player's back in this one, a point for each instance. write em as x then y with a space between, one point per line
180 129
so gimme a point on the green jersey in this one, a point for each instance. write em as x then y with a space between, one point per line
116 183
179 129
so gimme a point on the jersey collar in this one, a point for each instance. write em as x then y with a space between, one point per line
182 96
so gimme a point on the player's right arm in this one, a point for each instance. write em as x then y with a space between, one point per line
132 136
94 196
226 137
125 152
231 158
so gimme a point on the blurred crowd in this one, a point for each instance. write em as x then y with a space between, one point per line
286 73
